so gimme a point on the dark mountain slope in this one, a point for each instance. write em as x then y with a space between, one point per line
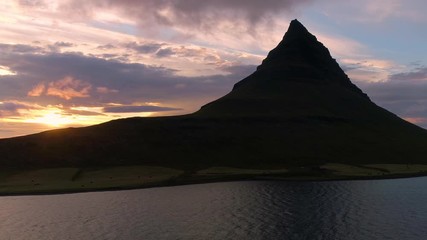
298 108
298 78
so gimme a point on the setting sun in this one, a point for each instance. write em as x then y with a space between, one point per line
53 119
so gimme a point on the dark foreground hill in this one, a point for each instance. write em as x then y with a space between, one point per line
297 108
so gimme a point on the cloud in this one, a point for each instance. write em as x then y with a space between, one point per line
18 48
178 20
37 91
374 12
419 74
82 112
193 55
68 88
368 70
380 10
106 47
12 108
402 93
63 44
92 81
32 3
144 48
4 71
201 14
59 45
165 52
136 109
105 90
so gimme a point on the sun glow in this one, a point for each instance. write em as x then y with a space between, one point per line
53 119
56 116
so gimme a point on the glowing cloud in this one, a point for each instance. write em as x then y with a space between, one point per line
37 91
68 88
4 71
138 108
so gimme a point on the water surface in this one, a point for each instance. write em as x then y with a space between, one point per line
378 209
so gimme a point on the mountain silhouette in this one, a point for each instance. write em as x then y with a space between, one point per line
298 77
298 108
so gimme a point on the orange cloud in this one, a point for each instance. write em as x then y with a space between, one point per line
68 88
416 120
37 91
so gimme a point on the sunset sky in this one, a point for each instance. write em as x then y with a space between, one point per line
76 63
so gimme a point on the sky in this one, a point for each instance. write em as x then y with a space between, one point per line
71 63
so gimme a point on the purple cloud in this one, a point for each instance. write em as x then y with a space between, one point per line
19 48
12 108
102 81
165 52
419 74
144 48
201 15
59 45
403 93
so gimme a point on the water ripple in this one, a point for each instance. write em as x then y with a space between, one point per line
382 209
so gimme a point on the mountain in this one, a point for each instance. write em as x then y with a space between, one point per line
298 108
298 72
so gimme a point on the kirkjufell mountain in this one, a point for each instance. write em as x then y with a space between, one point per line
298 77
298 108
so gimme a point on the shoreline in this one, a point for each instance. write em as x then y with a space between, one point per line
181 181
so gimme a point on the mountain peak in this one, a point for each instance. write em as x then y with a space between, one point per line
298 45
301 57
299 73
296 29
296 23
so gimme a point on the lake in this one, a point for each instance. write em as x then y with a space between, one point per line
377 209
